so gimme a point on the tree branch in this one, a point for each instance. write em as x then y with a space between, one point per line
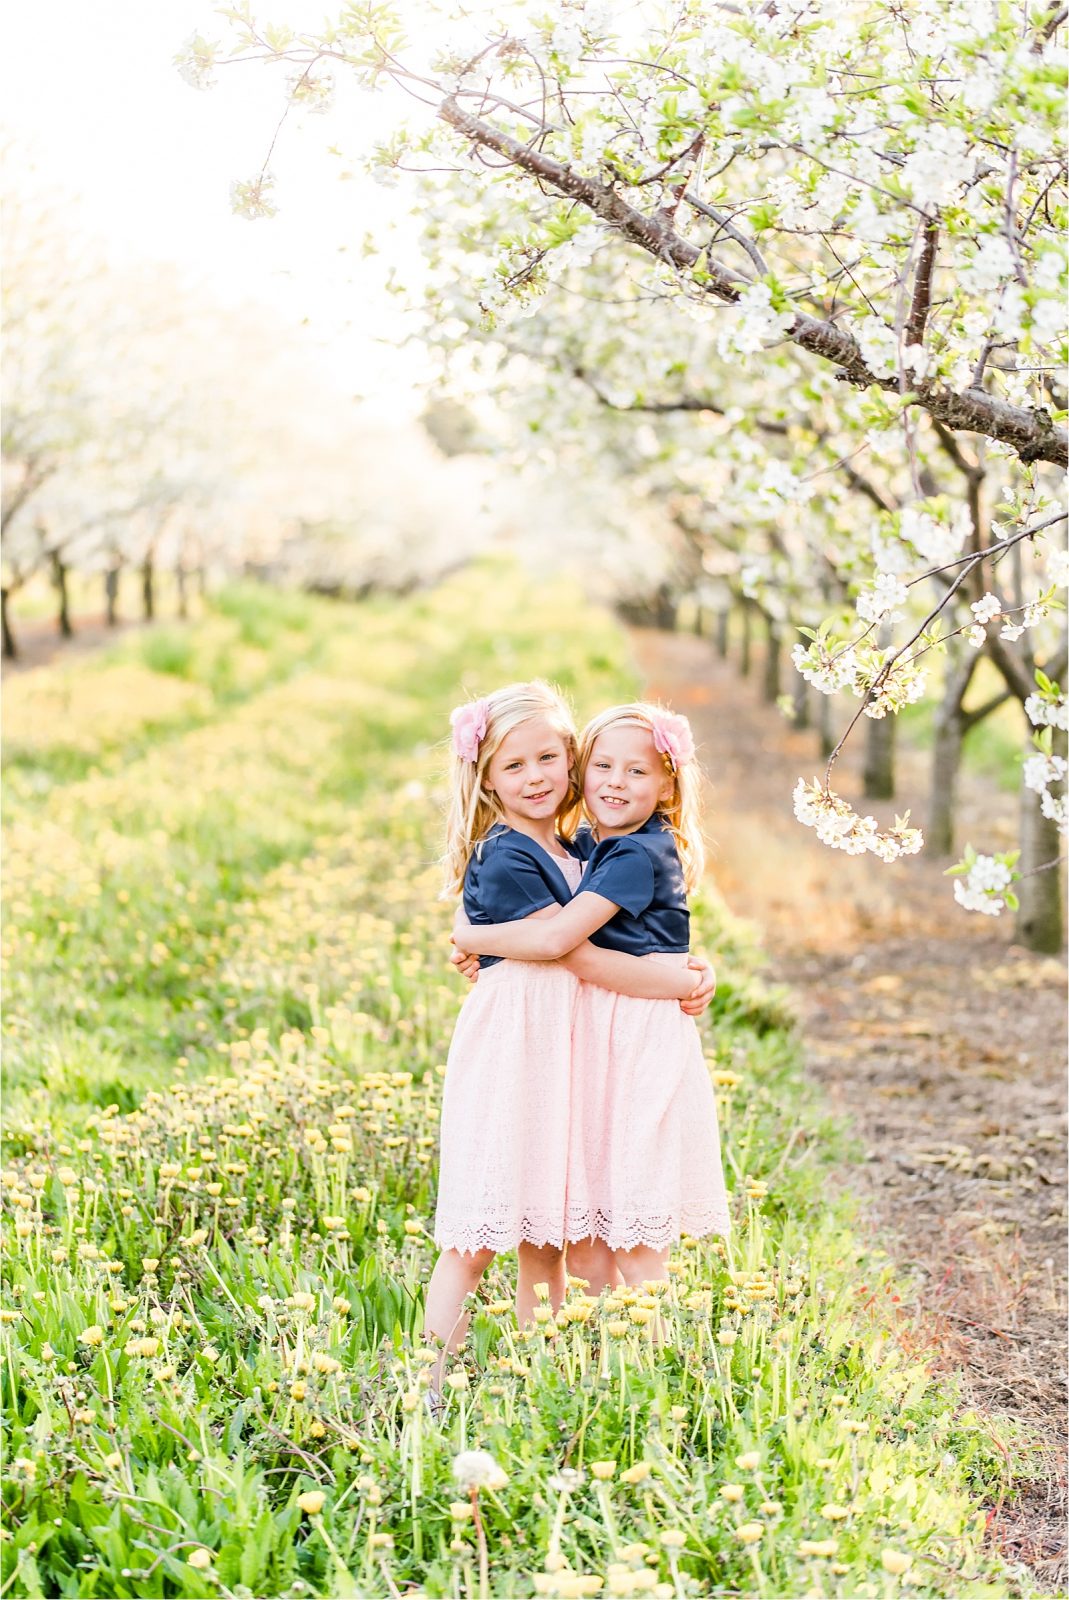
922 285
1030 432
686 402
728 229
969 719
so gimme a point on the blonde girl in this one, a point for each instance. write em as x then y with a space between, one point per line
506 1110
644 1159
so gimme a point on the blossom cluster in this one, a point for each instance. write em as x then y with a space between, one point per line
985 887
840 827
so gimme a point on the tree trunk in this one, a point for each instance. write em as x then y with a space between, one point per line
879 769
148 592
952 723
59 582
770 687
111 594
666 610
824 725
1039 921
946 764
747 639
201 576
723 620
800 703
9 646
183 594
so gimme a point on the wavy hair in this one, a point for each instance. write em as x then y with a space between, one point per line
682 811
473 808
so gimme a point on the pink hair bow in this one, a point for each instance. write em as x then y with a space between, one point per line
468 723
673 738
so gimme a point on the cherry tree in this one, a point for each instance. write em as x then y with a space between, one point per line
866 201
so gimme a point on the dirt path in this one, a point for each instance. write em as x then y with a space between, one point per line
937 1038
39 641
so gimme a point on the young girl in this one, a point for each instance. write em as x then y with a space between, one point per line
644 1151
506 1107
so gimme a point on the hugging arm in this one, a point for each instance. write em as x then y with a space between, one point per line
546 935
537 938
644 980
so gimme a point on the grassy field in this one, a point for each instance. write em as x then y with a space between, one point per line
228 1012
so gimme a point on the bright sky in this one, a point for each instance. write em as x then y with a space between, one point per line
91 95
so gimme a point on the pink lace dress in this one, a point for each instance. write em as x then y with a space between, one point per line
644 1160
506 1106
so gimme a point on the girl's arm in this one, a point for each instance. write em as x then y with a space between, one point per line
608 969
645 980
611 969
545 935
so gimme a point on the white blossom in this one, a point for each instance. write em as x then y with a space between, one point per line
935 542
1010 312
1047 711
827 670
840 827
1056 808
878 346
753 321
1058 568
983 888
935 171
987 609
251 197
1040 771
312 92
882 600
750 580
904 684
1048 321
990 266
196 62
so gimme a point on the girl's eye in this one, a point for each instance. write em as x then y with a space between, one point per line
551 755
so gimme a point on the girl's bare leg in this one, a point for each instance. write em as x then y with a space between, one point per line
642 1263
538 1263
445 1321
592 1259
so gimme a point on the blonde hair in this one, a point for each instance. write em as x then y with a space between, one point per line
681 811
473 808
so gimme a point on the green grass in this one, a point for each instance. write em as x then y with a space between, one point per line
228 1008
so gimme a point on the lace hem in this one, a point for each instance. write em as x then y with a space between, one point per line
500 1236
625 1233
656 1232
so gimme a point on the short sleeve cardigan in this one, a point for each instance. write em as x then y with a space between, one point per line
508 877
641 873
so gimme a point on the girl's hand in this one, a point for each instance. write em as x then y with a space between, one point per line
467 966
704 989
461 926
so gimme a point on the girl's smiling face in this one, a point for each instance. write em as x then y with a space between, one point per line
625 779
529 773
